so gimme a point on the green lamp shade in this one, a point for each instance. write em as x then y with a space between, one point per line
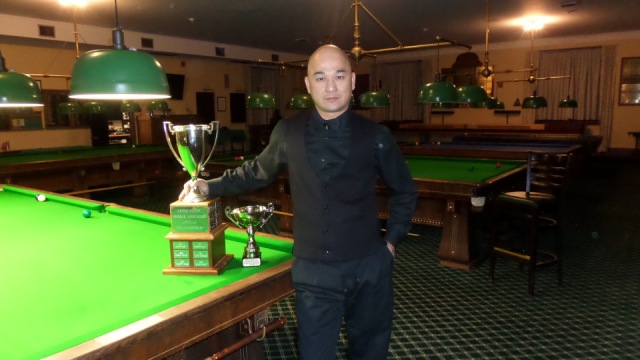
94 107
372 99
130 107
18 90
300 101
158 105
437 92
69 108
471 94
490 103
260 100
534 102
111 74
568 103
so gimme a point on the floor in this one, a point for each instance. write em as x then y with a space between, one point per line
442 313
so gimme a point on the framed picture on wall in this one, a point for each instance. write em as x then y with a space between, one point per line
630 81
222 103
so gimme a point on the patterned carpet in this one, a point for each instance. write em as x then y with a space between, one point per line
442 313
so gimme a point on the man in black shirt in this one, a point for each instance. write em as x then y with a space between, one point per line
343 262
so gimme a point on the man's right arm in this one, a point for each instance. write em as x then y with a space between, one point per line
252 175
257 173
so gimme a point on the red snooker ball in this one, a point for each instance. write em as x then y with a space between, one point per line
498 164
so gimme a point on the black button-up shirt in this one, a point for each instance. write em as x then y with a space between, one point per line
327 144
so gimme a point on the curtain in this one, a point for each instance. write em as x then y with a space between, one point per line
607 94
592 78
583 66
402 82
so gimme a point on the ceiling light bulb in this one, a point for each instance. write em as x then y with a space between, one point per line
77 3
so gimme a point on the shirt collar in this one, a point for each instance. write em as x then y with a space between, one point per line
335 124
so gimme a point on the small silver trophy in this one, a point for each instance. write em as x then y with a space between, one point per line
250 217
191 141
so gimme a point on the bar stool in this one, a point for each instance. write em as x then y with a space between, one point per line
516 225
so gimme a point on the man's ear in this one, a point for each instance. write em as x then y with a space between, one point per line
306 83
353 81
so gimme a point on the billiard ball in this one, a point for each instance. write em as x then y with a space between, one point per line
41 197
498 164
86 213
470 168
238 158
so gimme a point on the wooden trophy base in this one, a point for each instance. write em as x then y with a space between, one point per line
198 253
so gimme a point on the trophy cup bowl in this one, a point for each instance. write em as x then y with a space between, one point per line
191 143
250 218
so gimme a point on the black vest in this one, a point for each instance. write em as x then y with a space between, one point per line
335 220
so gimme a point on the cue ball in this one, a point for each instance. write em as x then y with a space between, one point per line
86 213
41 197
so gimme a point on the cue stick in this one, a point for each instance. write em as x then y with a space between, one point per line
290 214
256 335
108 188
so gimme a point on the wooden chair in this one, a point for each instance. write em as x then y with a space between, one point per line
516 226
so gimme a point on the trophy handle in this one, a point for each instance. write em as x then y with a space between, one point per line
264 220
212 125
168 128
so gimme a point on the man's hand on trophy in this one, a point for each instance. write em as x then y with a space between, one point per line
198 186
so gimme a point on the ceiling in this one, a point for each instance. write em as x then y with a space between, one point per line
299 26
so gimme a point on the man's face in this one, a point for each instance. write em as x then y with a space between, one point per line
330 81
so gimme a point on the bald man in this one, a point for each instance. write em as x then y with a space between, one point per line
344 262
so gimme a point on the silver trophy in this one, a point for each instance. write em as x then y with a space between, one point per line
250 218
191 141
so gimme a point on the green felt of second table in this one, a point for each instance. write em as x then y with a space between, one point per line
79 152
66 279
459 169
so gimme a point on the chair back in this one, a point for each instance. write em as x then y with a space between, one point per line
547 172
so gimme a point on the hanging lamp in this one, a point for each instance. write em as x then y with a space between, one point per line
300 101
69 108
158 105
94 107
568 103
534 102
439 91
17 89
118 73
372 99
471 94
376 98
260 100
130 107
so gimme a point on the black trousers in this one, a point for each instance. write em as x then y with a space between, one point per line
359 290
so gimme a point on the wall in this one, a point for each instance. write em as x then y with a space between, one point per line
207 72
516 55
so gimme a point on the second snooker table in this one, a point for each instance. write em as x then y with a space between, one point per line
490 150
84 168
76 287
446 187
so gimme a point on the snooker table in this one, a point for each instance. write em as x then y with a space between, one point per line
82 168
493 150
76 287
446 187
